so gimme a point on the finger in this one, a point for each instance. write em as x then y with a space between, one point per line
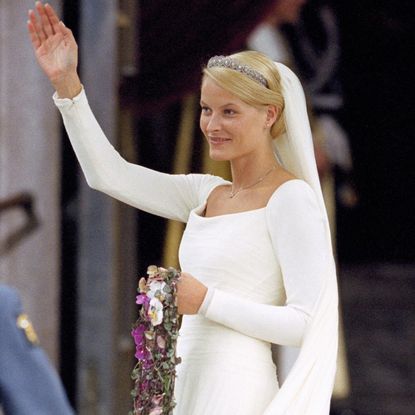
33 24
33 19
33 35
67 33
47 27
53 18
40 21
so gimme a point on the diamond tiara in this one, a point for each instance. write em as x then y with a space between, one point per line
230 63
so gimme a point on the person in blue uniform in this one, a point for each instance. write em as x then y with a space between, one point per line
29 383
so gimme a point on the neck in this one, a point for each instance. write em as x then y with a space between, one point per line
246 170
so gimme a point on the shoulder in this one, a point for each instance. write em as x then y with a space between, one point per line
205 179
292 189
294 198
205 184
9 299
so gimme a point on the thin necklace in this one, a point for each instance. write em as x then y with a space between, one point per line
232 193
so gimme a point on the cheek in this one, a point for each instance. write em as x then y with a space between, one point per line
251 133
202 124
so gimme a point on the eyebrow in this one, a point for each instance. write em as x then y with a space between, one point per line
225 105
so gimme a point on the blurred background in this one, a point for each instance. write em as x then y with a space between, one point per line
76 255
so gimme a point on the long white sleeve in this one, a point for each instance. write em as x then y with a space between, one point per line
297 231
169 196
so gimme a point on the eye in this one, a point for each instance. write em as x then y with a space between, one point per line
229 111
204 110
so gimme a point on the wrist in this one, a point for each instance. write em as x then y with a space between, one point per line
207 299
67 86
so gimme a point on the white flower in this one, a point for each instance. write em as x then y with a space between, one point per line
155 311
152 270
156 286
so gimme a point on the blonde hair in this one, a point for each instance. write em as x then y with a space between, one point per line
249 90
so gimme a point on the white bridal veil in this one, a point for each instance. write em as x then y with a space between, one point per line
307 389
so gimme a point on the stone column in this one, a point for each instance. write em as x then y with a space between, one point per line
97 222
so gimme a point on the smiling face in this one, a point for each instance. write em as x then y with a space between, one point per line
233 128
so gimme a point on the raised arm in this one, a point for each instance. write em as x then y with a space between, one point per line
298 236
55 49
169 196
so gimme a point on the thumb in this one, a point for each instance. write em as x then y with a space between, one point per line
67 33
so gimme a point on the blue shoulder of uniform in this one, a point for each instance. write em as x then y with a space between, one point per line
9 298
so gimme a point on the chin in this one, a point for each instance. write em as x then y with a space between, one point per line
218 156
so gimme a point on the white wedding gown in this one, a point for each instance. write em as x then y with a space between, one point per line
264 269
223 370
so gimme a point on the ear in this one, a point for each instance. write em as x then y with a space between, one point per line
272 114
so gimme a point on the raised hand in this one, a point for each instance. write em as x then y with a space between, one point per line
55 49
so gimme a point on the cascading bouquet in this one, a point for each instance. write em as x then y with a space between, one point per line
155 335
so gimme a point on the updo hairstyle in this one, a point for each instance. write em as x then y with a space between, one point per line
250 91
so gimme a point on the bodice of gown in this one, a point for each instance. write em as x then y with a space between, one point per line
233 253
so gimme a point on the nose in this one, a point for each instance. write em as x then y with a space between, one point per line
213 123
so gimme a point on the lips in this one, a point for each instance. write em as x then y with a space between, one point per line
218 140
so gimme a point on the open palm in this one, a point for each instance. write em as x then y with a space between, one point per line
54 45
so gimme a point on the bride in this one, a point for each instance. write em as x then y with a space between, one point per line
256 255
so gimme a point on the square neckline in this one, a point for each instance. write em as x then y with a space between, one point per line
256 210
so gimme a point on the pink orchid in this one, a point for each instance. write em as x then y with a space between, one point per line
142 299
